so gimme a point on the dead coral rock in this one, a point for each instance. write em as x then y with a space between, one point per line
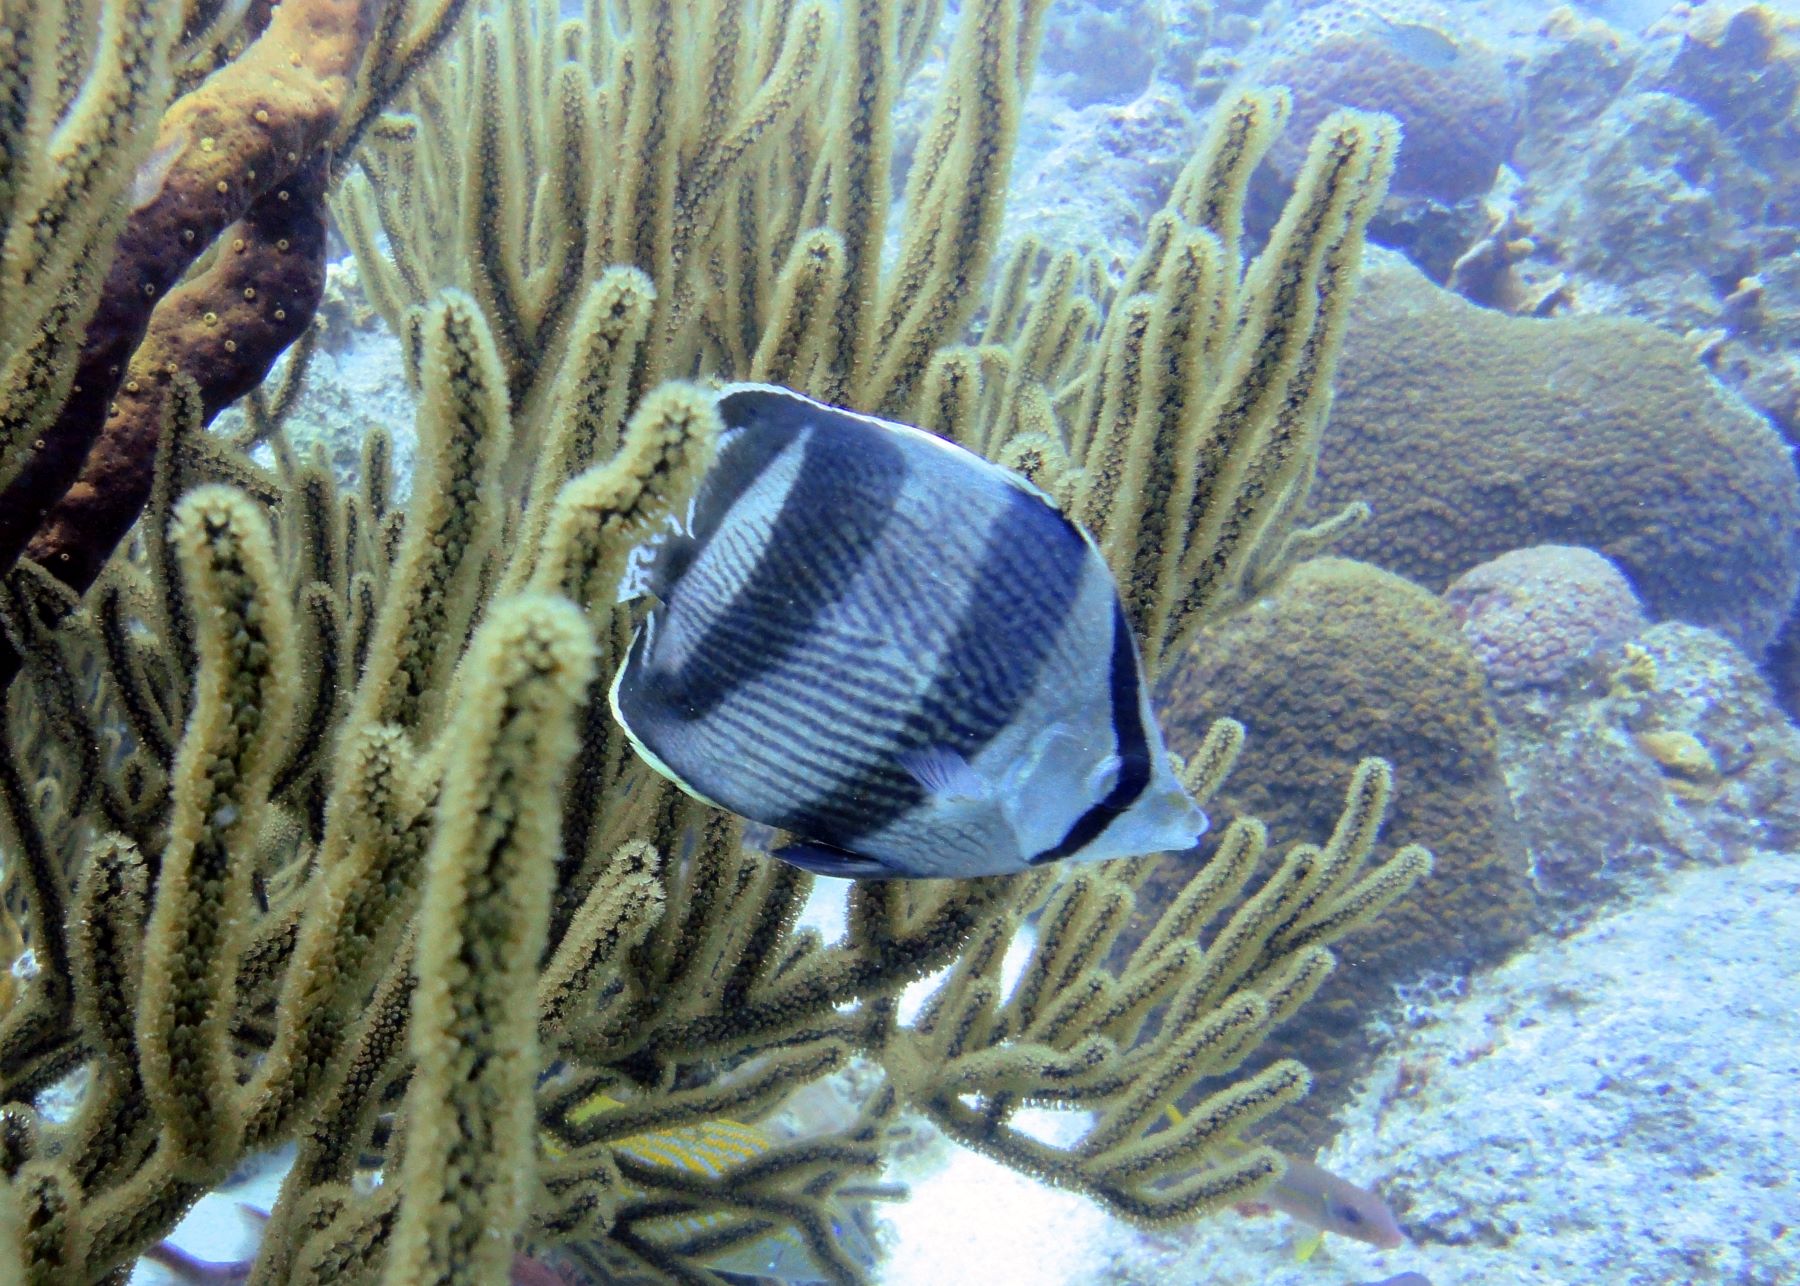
1661 178
1654 188
1740 64
1470 433
1102 54
1683 758
1102 173
1346 660
1496 273
1577 67
1411 59
1761 351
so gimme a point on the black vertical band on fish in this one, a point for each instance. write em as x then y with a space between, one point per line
1132 744
899 652
982 676
831 519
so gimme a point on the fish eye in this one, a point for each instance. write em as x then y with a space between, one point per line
1104 776
1350 1215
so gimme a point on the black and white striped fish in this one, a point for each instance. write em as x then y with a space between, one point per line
901 654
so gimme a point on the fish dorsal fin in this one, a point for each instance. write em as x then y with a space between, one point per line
772 403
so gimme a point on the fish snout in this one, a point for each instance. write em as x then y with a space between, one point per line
1177 819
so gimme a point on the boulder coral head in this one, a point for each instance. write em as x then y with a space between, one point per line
1411 59
1341 657
1534 616
1592 431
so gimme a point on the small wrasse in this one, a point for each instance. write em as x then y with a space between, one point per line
1417 42
1321 1200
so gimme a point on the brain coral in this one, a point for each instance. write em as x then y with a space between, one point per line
1346 660
1532 615
1471 433
1408 58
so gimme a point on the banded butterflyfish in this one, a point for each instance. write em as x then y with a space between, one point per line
903 655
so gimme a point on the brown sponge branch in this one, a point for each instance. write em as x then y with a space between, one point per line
251 130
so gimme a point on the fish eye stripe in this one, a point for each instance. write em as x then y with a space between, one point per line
1130 743
743 457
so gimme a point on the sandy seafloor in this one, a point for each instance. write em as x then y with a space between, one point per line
1616 1107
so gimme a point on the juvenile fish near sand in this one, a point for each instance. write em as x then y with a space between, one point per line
900 653
1322 1200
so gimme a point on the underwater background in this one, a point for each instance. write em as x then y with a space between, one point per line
1569 394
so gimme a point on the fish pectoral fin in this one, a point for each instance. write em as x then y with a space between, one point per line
826 859
945 774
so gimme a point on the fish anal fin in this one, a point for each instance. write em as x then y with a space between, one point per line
827 859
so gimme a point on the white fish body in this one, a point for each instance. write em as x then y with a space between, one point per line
898 652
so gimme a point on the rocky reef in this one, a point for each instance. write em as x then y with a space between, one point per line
1663 175
1677 757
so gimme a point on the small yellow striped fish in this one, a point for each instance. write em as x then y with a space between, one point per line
711 1148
